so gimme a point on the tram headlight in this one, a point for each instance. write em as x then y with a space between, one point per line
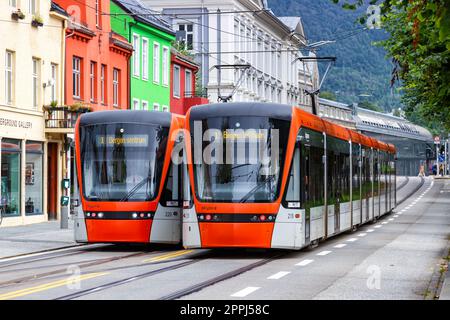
88 214
100 215
262 217
134 215
208 217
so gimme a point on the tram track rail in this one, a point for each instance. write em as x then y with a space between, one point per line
92 263
47 255
403 184
412 192
231 274
117 283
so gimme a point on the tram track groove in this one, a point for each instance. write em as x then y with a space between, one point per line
411 193
231 274
127 280
93 263
403 184
47 254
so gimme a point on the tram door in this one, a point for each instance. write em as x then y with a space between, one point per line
306 188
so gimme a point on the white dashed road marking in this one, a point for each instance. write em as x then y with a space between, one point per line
352 240
278 275
339 246
323 253
304 263
245 292
362 234
370 230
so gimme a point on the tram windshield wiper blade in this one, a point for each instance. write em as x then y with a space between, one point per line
256 188
135 189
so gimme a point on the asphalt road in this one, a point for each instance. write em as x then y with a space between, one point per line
395 258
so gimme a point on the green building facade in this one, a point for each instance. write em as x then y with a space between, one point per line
151 38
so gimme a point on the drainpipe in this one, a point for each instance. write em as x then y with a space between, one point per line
130 77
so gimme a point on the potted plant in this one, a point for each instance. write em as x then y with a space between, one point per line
16 15
79 107
37 21
51 107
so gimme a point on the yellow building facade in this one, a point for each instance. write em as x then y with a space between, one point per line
32 164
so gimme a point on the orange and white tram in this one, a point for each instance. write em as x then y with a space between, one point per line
308 180
129 189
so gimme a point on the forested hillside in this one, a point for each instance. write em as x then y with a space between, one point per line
362 73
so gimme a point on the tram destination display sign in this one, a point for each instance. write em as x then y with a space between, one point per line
124 140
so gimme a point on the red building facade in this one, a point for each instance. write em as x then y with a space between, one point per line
183 74
96 66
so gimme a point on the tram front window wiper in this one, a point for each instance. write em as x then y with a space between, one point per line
136 188
245 198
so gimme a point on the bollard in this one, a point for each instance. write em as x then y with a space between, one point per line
65 217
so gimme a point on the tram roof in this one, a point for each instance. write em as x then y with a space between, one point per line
272 110
284 112
127 116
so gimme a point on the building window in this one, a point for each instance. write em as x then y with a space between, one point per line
144 105
36 77
165 108
156 106
9 77
156 62
136 55
188 34
103 84
54 82
76 77
34 161
32 6
93 81
166 64
145 58
12 3
10 177
188 84
136 104
176 81
116 87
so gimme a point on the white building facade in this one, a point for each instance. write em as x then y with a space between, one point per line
243 32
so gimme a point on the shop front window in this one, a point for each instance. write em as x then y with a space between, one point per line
10 177
34 178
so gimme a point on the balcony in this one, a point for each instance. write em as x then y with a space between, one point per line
192 99
62 119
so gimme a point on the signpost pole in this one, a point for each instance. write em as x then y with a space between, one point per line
437 143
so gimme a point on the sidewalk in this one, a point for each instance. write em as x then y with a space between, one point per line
33 238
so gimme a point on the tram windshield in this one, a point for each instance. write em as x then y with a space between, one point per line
239 159
122 162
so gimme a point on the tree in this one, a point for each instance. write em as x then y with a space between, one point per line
419 45
370 106
328 95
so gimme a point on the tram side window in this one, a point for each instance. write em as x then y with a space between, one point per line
376 173
331 176
366 182
293 188
356 159
312 166
338 159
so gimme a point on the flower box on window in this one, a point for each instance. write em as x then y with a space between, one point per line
37 22
17 15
